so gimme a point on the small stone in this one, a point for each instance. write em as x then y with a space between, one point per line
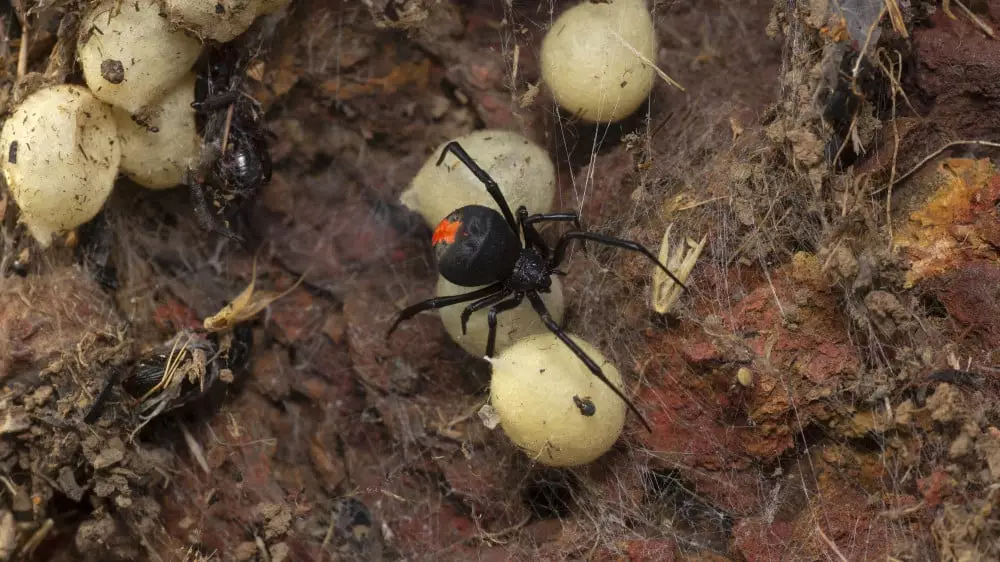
67 482
246 550
108 456
439 106
960 447
279 552
113 71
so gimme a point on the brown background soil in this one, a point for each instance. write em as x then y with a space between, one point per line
341 445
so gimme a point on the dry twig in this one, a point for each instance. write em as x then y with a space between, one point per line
896 16
666 78
864 49
976 20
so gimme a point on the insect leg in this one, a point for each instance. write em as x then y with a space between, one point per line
217 101
539 306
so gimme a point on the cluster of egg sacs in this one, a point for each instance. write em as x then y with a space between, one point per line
535 376
64 145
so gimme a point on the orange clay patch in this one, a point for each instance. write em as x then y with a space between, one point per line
955 223
446 231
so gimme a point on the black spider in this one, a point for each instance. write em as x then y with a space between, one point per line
235 162
476 245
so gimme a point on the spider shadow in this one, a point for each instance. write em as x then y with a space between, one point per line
576 142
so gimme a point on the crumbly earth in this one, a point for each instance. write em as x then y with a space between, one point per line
861 296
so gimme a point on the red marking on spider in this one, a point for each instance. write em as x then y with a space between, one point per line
446 232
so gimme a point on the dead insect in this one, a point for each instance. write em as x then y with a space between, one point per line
173 374
187 367
246 305
235 163
585 405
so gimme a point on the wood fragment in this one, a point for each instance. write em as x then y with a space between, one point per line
896 17
976 20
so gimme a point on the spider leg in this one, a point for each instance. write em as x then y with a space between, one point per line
571 216
543 313
481 175
479 305
612 241
491 321
528 225
441 302
203 213
532 239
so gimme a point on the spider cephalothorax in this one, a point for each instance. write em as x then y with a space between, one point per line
476 245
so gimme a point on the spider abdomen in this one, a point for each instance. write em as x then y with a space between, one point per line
475 246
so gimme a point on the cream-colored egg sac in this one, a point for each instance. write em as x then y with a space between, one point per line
533 388
219 20
521 168
588 65
130 54
60 156
512 325
157 150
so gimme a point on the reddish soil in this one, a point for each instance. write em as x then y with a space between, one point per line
867 430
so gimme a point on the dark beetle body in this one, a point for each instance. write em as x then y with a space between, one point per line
147 373
235 162
246 166
150 369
